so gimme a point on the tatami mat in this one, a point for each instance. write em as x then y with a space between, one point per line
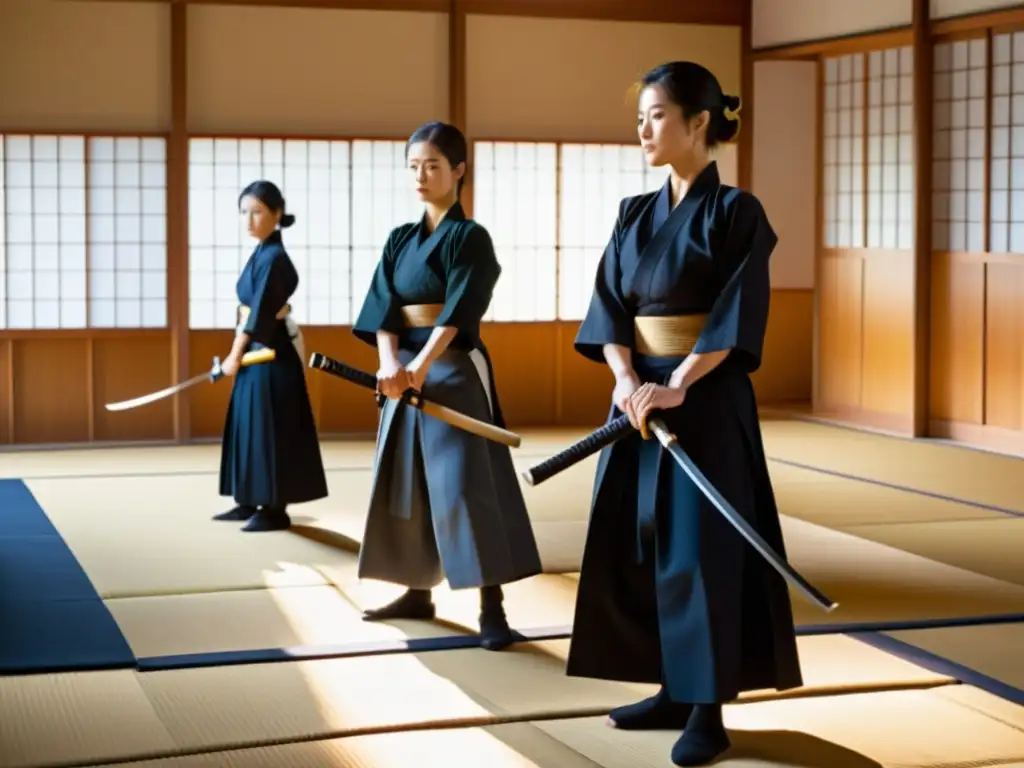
920 729
994 547
179 583
909 729
927 466
107 715
153 536
511 745
319 616
873 583
924 465
993 651
219 622
839 502
219 589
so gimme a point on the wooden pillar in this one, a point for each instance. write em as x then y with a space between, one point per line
745 161
457 89
177 217
922 133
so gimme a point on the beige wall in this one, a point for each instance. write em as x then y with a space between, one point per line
105 67
783 22
60 61
784 172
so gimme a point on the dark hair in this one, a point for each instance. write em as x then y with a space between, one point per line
268 194
695 89
449 142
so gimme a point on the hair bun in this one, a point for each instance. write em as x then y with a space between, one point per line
287 220
729 125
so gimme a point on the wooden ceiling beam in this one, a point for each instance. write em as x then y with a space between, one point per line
720 12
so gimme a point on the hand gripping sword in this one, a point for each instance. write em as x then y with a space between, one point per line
457 419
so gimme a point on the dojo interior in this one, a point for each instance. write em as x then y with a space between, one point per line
883 138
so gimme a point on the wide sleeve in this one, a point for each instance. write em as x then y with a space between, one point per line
472 272
274 281
739 316
608 319
381 310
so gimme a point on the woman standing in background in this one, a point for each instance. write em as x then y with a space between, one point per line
270 455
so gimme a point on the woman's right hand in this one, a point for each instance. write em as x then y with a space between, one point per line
392 379
625 386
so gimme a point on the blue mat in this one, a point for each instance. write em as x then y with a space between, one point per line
51 617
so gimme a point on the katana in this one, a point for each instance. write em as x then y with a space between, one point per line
448 415
216 374
617 429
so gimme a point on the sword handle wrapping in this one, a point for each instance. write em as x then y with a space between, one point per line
254 357
257 356
337 368
597 440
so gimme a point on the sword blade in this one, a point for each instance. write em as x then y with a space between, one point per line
126 405
670 444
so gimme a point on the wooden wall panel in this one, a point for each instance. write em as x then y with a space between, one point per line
128 367
6 393
786 365
887 369
525 357
1004 382
338 405
865 337
61 385
839 331
51 390
585 394
207 403
958 338
978 350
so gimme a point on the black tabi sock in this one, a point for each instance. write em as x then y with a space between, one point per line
268 518
239 514
656 713
495 632
413 604
704 737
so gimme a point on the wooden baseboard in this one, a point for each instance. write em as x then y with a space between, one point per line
984 437
896 424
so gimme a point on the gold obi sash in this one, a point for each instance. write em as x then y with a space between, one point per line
285 313
244 312
668 336
421 315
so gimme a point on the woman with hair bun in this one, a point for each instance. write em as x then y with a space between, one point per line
445 503
270 455
669 592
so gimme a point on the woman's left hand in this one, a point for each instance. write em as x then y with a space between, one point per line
652 397
417 375
231 365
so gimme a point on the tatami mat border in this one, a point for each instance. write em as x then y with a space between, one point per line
453 642
941 665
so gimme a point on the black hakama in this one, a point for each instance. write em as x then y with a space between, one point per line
669 592
270 455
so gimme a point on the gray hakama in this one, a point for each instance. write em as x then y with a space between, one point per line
445 503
